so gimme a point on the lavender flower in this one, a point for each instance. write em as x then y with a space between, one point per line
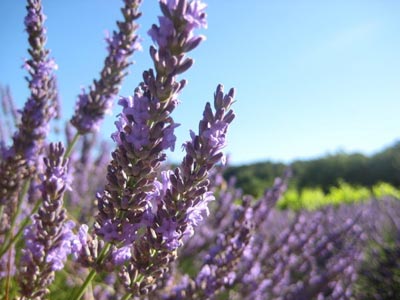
40 107
181 203
18 162
49 239
220 265
177 13
221 214
144 131
92 106
310 255
130 212
189 193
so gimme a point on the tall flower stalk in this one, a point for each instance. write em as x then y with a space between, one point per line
19 161
92 106
179 202
145 218
49 239
144 130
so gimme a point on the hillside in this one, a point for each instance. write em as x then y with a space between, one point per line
323 172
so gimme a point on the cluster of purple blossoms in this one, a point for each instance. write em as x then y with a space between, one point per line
92 106
145 217
40 107
277 254
49 239
144 130
19 160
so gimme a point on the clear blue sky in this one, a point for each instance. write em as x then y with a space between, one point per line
312 77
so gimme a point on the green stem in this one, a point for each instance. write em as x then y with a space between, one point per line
71 145
126 297
92 274
21 197
1 211
83 287
24 223
10 232
8 280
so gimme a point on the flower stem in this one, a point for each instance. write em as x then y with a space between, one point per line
83 287
1 211
24 223
10 233
92 274
21 197
71 145
8 276
126 297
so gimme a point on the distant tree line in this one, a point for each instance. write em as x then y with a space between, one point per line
324 172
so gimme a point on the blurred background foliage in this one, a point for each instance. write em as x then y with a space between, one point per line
341 176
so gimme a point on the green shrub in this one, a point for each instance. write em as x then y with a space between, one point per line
344 193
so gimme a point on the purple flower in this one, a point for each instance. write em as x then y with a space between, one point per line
39 109
32 18
195 213
156 197
139 137
162 35
121 255
91 107
195 14
139 110
172 4
132 121
170 237
185 15
58 255
206 279
35 249
252 276
116 45
91 112
116 230
80 240
49 240
169 137
137 208
216 134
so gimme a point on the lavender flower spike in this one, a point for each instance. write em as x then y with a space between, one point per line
145 130
91 107
49 239
178 203
186 200
221 263
18 161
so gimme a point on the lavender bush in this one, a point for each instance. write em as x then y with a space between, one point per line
147 230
